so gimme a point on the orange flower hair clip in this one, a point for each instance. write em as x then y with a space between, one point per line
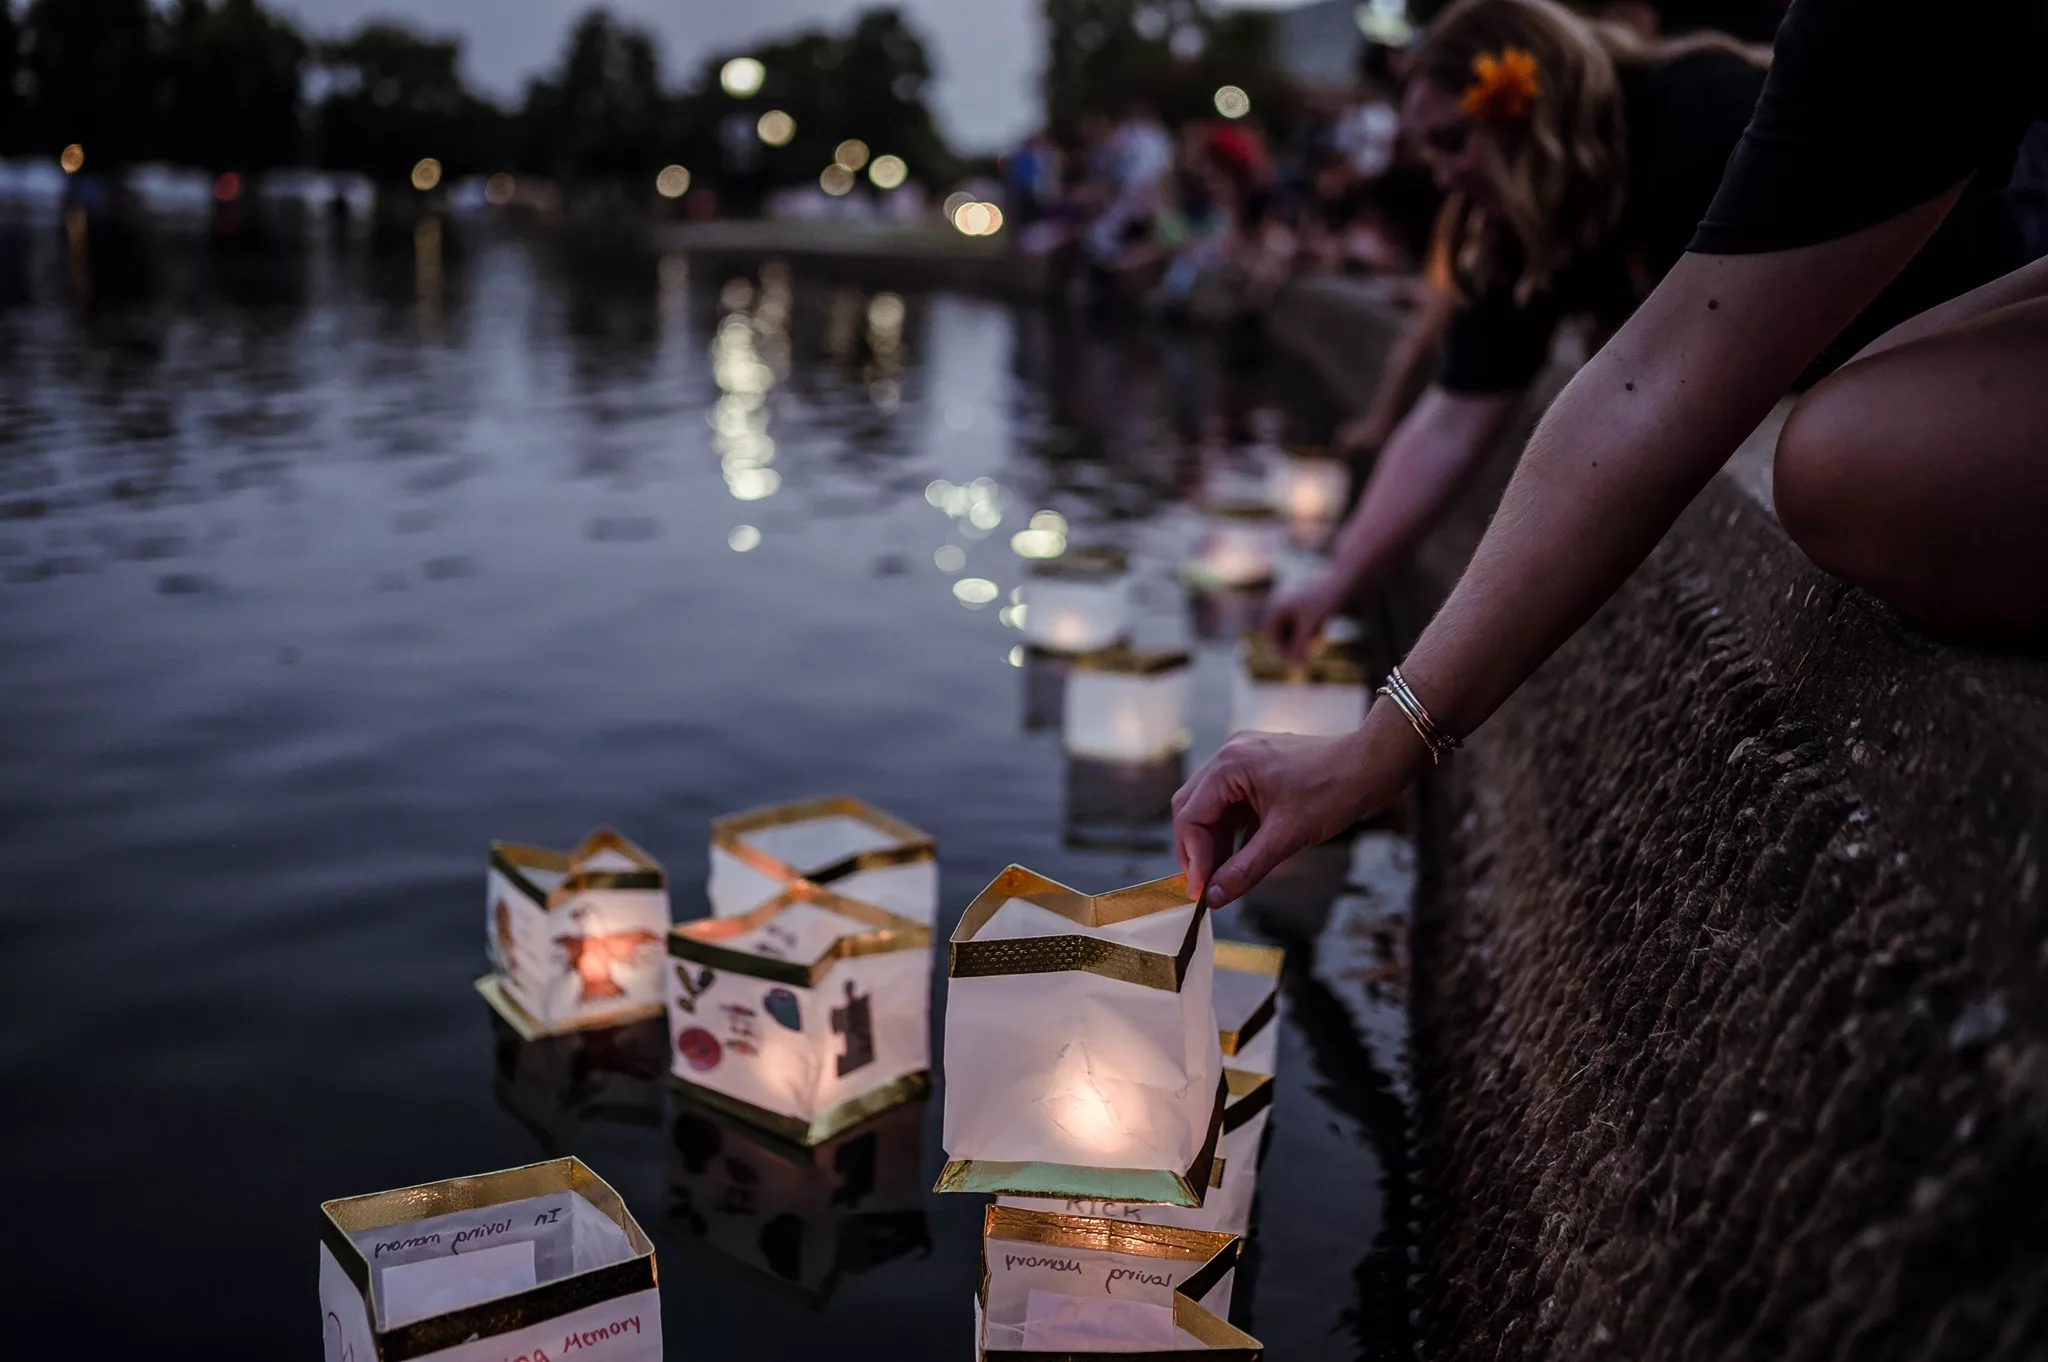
1503 87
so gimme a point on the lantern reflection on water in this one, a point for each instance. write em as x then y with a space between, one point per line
1081 1049
838 841
1240 546
1122 805
1078 602
1320 696
553 1085
1126 704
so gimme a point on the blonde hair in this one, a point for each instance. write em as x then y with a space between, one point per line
1559 173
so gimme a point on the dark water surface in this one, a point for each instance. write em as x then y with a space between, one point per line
324 565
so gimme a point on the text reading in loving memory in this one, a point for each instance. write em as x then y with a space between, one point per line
583 1339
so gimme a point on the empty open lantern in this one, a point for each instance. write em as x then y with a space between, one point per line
1127 705
1321 696
836 841
1078 602
1081 1051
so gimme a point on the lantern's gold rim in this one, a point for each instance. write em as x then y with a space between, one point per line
971 958
1325 665
1122 659
1086 563
514 859
700 940
913 844
498 993
826 1125
1247 957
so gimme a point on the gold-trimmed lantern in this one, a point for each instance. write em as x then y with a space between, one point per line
796 1219
1078 602
1248 1005
1308 486
1056 1287
1081 1051
479 1269
805 1016
575 936
1321 696
1126 704
837 841
1240 547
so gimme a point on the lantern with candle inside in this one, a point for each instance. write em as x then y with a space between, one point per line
843 843
796 1219
1078 602
805 1016
1064 1285
1322 695
1081 1049
1308 486
480 1269
553 1085
1241 542
1126 704
575 936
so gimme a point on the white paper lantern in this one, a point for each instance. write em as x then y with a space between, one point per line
1241 543
837 841
1078 602
1322 696
575 937
1248 1005
1128 705
1061 1286
805 1016
797 1219
1308 486
481 1269
1081 1048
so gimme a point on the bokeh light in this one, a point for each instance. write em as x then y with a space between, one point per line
949 558
1017 655
72 159
887 172
852 153
976 218
742 76
743 539
775 128
673 182
885 312
227 187
1232 102
835 180
499 189
426 173
975 592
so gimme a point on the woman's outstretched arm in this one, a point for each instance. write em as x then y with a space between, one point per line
1625 447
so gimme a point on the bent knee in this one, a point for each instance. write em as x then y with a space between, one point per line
1813 482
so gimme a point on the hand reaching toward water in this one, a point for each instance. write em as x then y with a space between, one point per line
1298 614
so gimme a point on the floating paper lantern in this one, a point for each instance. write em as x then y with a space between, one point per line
481 1269
1062 1285
1321 696
575 936
1078 602
1308 486
1124 704
1241 544
1081 1049
1227 1209
838 841
553 1085
1122 805
1248 1005
805 1016
797 1219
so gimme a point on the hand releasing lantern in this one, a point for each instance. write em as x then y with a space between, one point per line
1322 696
837 842
1081 1049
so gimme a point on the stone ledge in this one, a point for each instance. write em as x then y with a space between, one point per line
1730 1027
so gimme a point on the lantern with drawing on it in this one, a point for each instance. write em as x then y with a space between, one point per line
1309 487
1127 705
1081 1049
1078 602
575 936
1321 696
1241 542
841 843
481 1269
1060 1286
805 1016
793 1218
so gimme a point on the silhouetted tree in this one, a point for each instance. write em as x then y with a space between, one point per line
1172 54
230 93
91 78
13 115
393 97
602 115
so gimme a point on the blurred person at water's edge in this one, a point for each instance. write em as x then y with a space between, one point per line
1918 470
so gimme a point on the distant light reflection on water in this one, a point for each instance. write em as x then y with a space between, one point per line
320 566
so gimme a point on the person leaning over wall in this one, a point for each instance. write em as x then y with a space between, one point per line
1917 471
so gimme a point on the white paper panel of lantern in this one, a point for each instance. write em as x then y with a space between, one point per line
1241 543
1248 1005
1078 602
552 1085
1227 1209
485 1263
845 844
1307 485
1322 696
575 936
1127 705
1081 1048
1056 1285
796 1218
805 1016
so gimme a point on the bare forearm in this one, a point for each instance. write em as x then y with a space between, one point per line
1401 376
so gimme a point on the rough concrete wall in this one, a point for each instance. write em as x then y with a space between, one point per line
1730 1032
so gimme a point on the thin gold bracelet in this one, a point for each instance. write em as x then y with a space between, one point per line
1433 736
